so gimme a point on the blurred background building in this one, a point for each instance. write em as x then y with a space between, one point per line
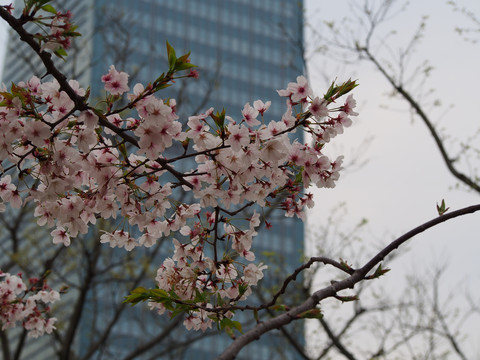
245 50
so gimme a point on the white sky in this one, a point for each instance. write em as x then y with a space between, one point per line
404 177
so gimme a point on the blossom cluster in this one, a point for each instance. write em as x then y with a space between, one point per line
61 30
80 170
78 163
31 311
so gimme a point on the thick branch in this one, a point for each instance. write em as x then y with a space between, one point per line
102 339
46 58
293 277
79 101
80 305
330 291
5 345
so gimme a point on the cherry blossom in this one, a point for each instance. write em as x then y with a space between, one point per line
77 163
17 307
261 107
239 136
116 83
318 108
250 115
60 236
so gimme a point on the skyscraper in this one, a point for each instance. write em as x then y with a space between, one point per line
245 49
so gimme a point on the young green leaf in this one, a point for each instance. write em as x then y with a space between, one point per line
442 209
172 58
49 8
311 314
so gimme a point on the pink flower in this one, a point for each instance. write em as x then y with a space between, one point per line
250 115
89 118
37 132
86 139
274 150
261 107
350 104
239 136
252 273
81 171
227 273
60 236
193 74
299 90
6 188
318 108
116 83
273 129
288 119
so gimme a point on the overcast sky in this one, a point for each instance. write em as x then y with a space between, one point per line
405 176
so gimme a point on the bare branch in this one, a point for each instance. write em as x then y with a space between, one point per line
335 287
426 120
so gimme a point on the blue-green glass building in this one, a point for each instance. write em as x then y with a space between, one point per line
245 50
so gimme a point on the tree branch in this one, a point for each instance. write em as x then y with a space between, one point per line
5 345
330 291
67 342
418 109
156 340
336 340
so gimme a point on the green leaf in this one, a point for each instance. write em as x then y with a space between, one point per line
139 290
299 177
172 294
200 297
330 92
229 332
180 309
219 118
442 209
255 315
49 8
220 301
226 323
137 295
378 272
347 298
335 91
237 326
160 293
279 307
311 314
72 34
242 289
61 53
123 150
168 305
346 87
184 66
183 58
345 266
172 58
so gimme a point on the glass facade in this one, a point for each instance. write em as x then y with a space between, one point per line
245 50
